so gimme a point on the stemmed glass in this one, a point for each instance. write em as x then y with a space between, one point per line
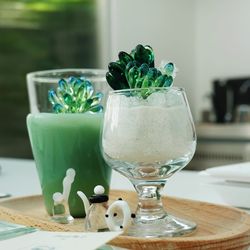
148 135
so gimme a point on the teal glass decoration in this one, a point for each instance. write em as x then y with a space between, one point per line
75 95
136 70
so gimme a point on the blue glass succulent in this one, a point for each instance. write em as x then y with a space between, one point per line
75 95
136 70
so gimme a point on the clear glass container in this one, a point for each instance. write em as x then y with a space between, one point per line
95 218
148 136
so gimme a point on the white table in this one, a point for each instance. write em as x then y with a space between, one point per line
19 178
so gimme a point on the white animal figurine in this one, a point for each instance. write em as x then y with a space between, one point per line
61 212
112 213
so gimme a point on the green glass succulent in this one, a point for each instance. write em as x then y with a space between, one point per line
75 95
136 70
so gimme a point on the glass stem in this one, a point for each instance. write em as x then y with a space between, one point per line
149 200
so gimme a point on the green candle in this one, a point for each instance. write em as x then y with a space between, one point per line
62 141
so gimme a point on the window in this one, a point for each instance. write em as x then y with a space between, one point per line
39 35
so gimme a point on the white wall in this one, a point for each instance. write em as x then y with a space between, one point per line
207 39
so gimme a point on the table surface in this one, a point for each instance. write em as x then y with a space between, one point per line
19 178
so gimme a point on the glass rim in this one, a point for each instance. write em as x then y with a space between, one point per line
42 73
177 89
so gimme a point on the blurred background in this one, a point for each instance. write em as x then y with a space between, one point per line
207 39
38 35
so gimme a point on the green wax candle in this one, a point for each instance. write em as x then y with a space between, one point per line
62 141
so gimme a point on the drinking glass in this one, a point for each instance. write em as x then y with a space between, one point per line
148 135
40 82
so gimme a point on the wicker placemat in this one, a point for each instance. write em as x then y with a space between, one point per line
219 227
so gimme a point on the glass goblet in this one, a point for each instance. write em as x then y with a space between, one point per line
148 135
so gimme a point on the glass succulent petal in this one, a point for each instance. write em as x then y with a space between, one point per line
75 95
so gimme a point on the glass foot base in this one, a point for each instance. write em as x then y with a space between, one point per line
63 219
169 226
